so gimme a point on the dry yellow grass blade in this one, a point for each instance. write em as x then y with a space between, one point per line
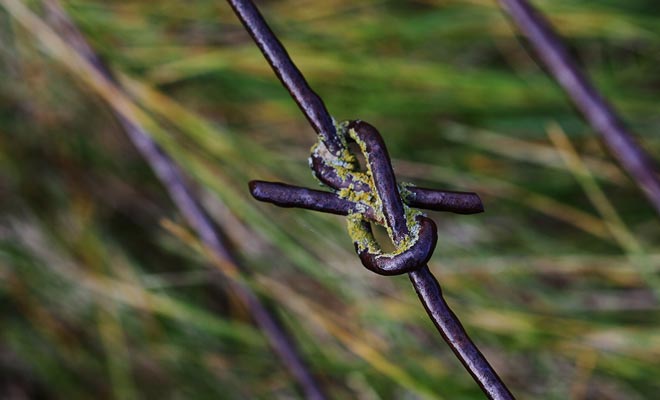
357 341
210 137
572 20
227 268
363 344
499 188
79 68
591 188
566 332
616 269
213 138
531 152
613 221
126 293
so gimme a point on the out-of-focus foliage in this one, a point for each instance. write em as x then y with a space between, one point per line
105 294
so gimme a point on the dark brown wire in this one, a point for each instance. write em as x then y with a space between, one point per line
602 117
186 201
309 102
424 282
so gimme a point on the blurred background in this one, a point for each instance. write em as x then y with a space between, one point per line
105 291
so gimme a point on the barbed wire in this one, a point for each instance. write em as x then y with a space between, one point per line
600 114
185 199
371 196
374 196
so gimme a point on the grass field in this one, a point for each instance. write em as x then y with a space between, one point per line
104 290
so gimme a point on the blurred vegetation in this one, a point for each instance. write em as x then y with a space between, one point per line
104 292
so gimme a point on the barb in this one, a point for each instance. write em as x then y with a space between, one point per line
596 110
372 197
184 198
284 195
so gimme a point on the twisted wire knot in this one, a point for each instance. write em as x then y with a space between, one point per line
376 198
371 196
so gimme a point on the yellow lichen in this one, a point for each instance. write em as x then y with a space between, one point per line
361 235
345 165
406 193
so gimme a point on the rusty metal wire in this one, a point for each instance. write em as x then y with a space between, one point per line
174 181
369 197
594 107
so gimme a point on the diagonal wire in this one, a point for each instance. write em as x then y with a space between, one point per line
425 284
594 107
309 102
185 199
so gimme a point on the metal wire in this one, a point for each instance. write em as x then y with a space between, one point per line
173 179
596 110
309 102
414 237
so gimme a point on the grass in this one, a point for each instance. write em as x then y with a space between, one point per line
104 291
